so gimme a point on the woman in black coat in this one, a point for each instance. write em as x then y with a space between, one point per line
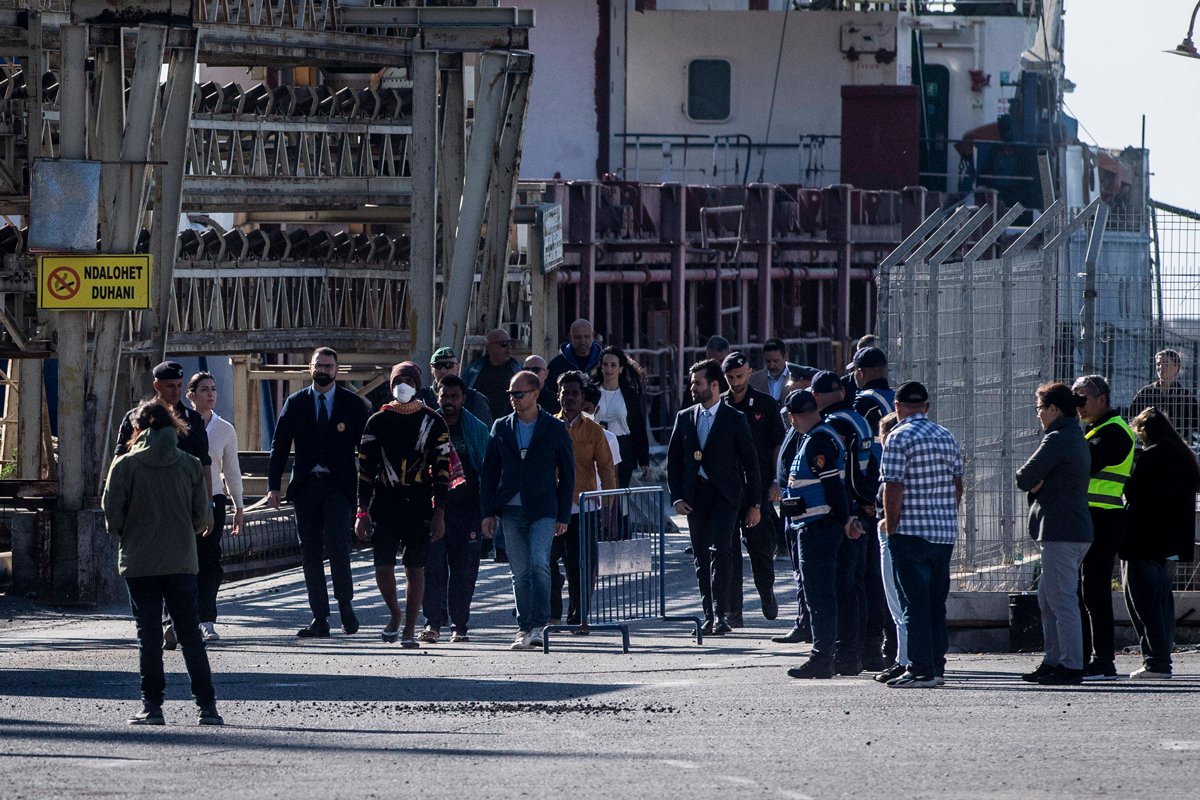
1160 498
620 411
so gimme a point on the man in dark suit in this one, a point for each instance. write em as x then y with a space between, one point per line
710 462
326 423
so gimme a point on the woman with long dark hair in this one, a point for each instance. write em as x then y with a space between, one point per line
1056 478
156 502
620 410
1160 497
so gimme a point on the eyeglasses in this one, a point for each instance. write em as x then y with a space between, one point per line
536 369
505 343
518 393
444 364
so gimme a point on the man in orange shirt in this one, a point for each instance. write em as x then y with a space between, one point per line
592 456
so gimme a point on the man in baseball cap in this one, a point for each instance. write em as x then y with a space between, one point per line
444 362
168 388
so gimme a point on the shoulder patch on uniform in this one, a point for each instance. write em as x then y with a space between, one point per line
819 461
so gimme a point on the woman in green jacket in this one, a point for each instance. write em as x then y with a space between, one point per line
155 502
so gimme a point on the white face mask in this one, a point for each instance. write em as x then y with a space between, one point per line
403 392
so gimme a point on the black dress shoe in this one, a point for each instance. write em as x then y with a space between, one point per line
317 629
794 636
1062 677
811 669
770 607
1042 670
734 620
721 628
848 668
349 620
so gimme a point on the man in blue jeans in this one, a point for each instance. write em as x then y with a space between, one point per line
527 480
922 472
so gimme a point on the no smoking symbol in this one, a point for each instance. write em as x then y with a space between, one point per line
63 283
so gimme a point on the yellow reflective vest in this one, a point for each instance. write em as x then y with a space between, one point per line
1106 486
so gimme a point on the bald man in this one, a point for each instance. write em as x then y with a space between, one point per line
581 352
491 373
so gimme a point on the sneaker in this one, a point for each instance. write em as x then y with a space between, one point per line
812 670
455 638
149 715
209 716
535 638
429 635
1147 674
1100 672
891 673
910 680
1062 677
521 641
170 640
208 632
1042 669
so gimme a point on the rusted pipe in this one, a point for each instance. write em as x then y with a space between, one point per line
644 276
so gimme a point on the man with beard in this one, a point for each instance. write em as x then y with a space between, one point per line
711 467
326 423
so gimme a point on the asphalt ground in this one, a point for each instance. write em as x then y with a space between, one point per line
354 717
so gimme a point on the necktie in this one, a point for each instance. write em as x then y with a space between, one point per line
322 412
703 427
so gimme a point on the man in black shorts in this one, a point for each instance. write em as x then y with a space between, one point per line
403 479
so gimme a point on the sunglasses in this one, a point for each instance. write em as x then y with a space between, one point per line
506 343
444 364
518 394
536 369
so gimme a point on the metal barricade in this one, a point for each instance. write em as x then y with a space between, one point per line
620 574
268 543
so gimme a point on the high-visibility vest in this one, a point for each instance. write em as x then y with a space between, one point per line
885 399
863 439
806 484
1106 486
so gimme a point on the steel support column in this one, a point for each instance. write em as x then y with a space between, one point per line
170 147
423 258
451 161
488 114
505 171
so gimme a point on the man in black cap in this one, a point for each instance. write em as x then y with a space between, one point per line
403 483
711 469
766 430
874 401
857 440
817 508
793 407
326 423
168 388
922 473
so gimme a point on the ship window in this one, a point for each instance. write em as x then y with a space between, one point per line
708 87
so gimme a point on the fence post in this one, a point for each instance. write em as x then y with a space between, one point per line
1095 240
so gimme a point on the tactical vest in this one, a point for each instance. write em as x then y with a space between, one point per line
1106 486
862 454
886 400
805 484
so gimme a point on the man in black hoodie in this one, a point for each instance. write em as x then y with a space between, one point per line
581 353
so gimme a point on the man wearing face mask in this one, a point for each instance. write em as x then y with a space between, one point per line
403 479
325 422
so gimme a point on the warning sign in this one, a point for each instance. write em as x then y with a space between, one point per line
94 282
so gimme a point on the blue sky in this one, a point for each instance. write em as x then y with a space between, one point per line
1114 55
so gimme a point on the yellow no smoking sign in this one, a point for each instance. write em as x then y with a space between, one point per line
94 282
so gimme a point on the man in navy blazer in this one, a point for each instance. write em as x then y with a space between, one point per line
711 466
527 480
325 422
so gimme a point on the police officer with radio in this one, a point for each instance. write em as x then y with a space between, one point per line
816 505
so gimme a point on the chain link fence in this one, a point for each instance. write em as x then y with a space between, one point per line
983 313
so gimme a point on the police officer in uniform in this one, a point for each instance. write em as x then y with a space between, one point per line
816 506
766 429
793 406
856 437
874 400
1111 444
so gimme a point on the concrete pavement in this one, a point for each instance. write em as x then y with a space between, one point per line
353 717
